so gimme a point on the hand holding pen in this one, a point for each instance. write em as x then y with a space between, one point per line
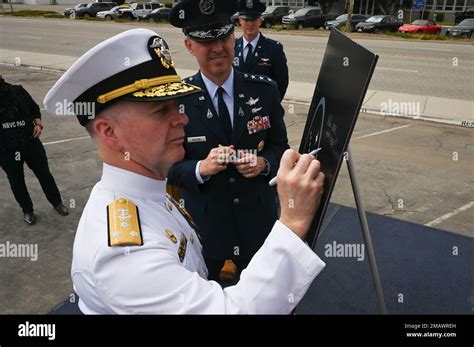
273 181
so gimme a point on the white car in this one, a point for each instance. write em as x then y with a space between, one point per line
138 10
110 14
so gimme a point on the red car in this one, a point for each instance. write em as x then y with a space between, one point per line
421 26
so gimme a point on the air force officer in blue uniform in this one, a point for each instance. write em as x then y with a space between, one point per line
235 139
257 54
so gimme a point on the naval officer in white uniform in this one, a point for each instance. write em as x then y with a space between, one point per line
136 250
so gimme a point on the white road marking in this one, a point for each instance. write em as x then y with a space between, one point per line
32 37
435 49
383 132
68 140
403 70
450 214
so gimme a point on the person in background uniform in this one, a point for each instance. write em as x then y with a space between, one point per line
137 250
234 140
257 54
20 129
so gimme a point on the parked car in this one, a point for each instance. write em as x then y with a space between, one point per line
138 10
379 23
92 9
110 14
69 11
465 28
273 15
308 17
421 26
342 20
158 14
460 16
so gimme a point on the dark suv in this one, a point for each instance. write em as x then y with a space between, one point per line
91 9
460 16
273 15
308 17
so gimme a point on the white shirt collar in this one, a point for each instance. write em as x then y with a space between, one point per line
253 42
132 184
228 85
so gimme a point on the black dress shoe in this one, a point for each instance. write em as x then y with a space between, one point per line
29 218
62 210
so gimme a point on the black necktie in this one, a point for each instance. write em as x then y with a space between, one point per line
249 53
224 115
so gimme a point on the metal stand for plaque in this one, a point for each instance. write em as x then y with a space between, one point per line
365 231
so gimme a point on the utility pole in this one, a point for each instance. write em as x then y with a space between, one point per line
350 10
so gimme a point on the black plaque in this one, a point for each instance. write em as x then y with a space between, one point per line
340 90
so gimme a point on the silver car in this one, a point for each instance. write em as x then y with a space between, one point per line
110 14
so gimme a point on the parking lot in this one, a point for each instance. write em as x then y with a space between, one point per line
412 170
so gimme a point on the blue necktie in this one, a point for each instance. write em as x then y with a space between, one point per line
224 115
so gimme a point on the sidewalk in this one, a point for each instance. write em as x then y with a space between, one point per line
435 109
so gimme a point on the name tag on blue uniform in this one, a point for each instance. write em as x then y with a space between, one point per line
197 139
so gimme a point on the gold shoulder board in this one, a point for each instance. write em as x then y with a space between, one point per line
123 224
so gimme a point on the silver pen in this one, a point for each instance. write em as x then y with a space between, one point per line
273 181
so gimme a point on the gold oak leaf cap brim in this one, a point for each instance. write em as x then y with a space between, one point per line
163 92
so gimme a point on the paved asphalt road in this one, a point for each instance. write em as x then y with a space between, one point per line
413 67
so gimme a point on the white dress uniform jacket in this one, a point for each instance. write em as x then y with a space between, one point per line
158 277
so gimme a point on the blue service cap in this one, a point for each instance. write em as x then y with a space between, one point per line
204 20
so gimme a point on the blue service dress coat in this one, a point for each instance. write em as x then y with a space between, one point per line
234 214
267 59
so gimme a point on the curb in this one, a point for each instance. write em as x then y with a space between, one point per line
377 112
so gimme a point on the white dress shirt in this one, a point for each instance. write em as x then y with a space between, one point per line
228 96
245 45
151 279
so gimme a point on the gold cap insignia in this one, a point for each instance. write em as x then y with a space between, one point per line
159 46
171 236
123 224
182 247
261 146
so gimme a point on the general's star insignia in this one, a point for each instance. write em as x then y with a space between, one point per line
252 101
